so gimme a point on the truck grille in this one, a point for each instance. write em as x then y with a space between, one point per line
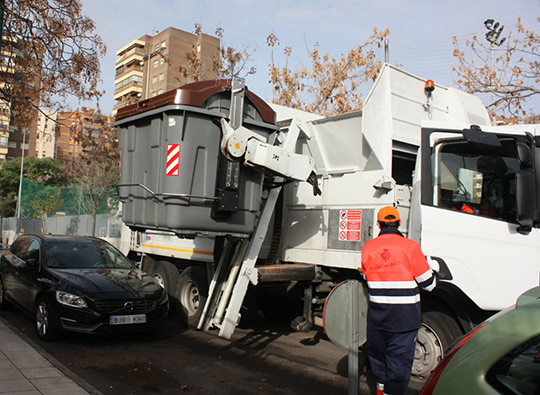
116 306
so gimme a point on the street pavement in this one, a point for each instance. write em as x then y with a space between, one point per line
25 369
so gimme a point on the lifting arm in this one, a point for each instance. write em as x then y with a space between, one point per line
242 145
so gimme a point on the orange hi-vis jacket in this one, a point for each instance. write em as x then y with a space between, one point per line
394 266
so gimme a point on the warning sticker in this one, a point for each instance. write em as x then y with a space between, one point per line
173 160
350 225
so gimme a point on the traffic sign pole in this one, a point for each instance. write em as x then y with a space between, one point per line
354 339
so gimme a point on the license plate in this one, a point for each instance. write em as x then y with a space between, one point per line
127 319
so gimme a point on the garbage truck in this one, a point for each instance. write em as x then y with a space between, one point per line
225 195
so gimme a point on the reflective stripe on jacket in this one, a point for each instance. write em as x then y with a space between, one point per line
394 266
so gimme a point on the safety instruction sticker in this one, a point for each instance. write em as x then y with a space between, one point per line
173 160
350 225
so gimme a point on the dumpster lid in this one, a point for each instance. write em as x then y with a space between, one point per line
195 94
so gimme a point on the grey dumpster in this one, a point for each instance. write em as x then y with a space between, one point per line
173 175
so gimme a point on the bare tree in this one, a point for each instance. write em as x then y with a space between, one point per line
50 52
506 72
326 85
95 180
96 168
228 62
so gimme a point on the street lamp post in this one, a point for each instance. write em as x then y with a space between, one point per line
19 196
492 36
146 60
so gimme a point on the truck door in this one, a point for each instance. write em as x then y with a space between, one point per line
469 214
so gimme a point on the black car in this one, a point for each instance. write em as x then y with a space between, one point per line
80 284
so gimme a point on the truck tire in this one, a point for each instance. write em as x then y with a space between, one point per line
166 274
191 293
437 333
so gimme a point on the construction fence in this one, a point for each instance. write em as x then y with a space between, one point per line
38 199
108 226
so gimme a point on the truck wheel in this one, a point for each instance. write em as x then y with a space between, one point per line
436 334
166 274
191 293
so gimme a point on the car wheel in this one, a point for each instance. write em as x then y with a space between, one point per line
191 294
3 301
44 326
436 334
166 274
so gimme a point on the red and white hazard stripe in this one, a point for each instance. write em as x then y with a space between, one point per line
173 160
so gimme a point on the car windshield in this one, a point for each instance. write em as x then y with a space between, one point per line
83 254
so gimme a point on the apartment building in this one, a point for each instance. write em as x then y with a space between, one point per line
18 123
149 66
5 117
47 126
87 120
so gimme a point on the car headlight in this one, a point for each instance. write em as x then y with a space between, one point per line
70 299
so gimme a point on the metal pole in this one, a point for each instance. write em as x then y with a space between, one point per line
386 50
491 77
353 343
20 186
147 59
147 77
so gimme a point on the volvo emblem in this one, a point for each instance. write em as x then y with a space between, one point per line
128 306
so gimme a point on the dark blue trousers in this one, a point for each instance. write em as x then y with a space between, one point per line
391 356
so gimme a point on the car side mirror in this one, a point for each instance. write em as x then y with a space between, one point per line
32 262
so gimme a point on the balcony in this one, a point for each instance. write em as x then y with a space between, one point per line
125 89
127 69
135 54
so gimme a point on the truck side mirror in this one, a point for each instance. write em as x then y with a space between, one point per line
525 190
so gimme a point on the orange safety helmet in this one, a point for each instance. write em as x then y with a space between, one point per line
388 214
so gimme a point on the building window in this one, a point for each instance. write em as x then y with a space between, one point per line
162 61
3 141
161 76
156 63
12 144
154 80
164 44
160 91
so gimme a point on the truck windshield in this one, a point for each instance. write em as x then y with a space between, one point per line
476 179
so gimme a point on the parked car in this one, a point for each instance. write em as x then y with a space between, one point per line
79 284
500 356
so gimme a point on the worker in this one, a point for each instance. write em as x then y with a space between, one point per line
393 267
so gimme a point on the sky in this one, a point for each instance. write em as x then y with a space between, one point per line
420 30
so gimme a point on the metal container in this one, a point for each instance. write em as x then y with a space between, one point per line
174 176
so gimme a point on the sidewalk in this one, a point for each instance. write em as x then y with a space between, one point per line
25 370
